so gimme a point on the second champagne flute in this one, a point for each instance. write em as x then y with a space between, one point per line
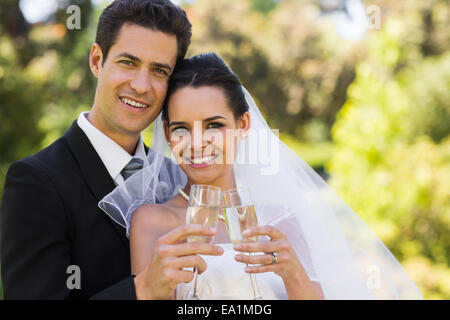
240 214
203 208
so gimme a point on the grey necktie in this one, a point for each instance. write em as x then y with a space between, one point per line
134 165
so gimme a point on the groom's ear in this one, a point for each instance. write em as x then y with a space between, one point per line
95 59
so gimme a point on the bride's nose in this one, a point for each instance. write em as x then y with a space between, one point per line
198 144
199 141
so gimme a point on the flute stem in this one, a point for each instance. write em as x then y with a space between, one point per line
255 288
194 295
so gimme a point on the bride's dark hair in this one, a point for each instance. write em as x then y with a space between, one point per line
207 70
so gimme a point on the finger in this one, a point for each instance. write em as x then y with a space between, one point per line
270 231
183 276
182 232
254 259
262 268
193 261
269 246
190 248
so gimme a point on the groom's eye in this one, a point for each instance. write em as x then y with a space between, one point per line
161 71
126 62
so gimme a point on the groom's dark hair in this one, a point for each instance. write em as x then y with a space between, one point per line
158 15
207 70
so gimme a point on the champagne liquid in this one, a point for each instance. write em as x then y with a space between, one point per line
206 216
238 219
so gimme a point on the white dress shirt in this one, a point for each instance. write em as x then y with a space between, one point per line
113 156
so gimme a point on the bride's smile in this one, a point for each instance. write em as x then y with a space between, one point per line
202 162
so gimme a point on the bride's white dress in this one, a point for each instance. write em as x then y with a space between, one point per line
225 279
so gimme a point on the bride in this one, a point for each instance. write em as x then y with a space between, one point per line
312 245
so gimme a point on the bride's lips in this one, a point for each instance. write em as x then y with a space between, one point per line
201 162
134 105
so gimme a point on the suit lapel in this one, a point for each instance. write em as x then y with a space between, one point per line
94 171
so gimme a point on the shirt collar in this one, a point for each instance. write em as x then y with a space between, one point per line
113 156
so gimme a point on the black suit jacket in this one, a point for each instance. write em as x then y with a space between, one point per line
50 220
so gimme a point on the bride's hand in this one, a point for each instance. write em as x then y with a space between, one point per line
286 263
279 257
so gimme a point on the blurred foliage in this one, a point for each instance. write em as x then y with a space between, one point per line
391 160
375 112
44 80
296 69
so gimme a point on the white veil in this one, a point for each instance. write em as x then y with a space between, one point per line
336 248
158 181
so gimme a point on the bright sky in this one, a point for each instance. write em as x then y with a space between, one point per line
350 25
36 11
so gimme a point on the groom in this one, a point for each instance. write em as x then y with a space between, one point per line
56 242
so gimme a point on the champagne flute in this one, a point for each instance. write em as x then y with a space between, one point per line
240 214
203 208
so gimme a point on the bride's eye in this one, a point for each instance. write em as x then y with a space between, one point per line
214 125
180 131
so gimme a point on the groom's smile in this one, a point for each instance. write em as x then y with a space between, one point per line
134 104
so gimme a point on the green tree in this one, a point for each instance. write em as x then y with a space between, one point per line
44 78
391 159
296 68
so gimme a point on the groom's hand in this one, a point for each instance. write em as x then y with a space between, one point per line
171 254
